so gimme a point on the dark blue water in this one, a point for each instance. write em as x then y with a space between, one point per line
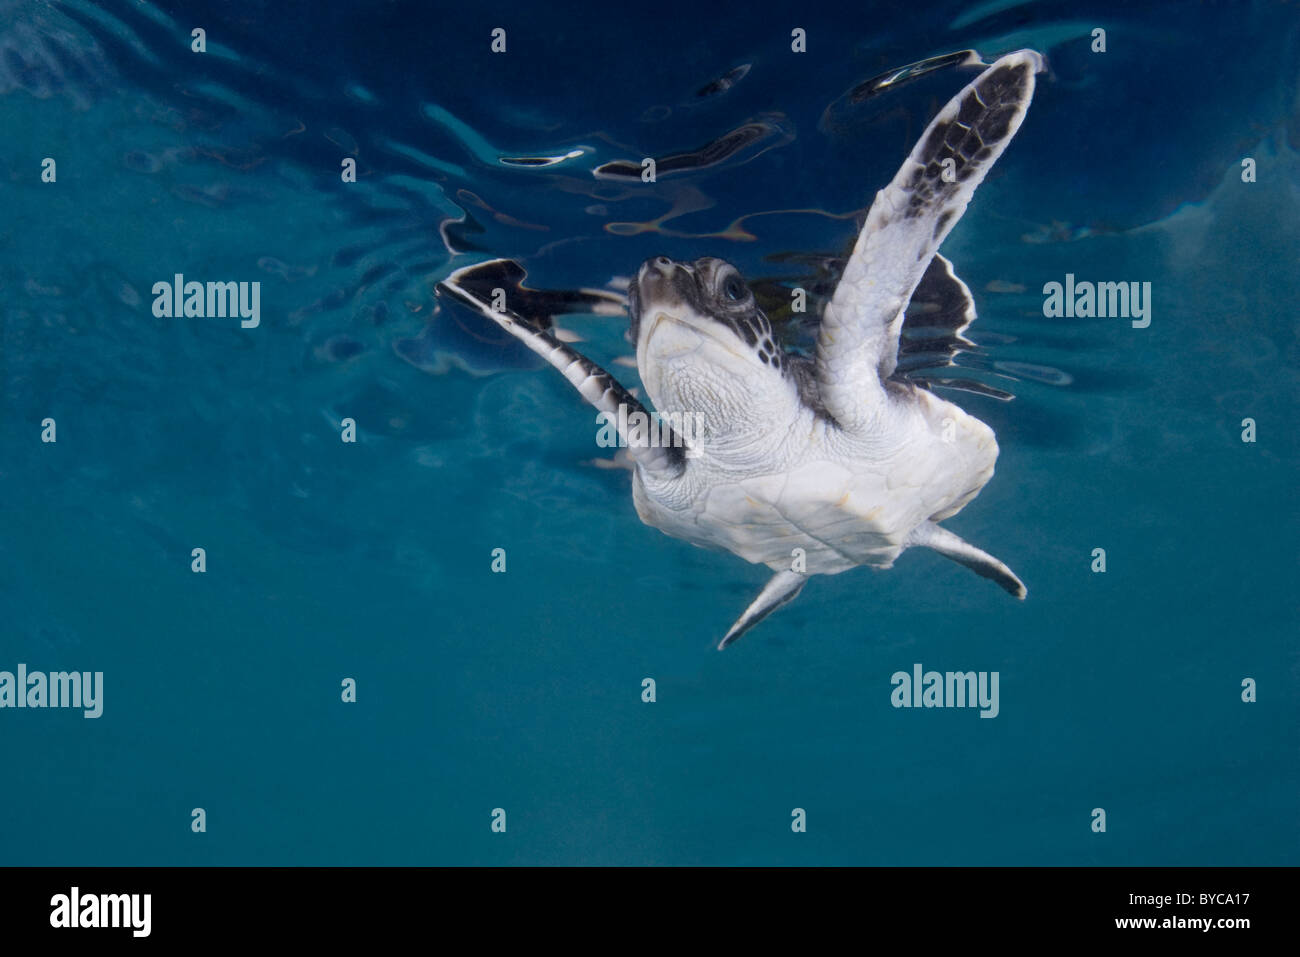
522 690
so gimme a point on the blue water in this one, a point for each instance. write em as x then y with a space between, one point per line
522 690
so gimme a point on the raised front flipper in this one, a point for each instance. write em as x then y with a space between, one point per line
857 342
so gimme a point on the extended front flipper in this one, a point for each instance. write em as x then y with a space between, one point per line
981 563
666 456
783 588
857 341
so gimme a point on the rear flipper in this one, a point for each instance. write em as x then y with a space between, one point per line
981 563
782 589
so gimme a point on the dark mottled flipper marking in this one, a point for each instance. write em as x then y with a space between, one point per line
857 342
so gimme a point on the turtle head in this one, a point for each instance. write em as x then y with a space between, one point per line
702 343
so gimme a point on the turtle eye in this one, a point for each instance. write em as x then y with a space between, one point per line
733 289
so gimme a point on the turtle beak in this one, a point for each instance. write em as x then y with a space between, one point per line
652 280
662 277
661 268
659 265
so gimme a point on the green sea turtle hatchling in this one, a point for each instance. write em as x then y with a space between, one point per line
809 465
